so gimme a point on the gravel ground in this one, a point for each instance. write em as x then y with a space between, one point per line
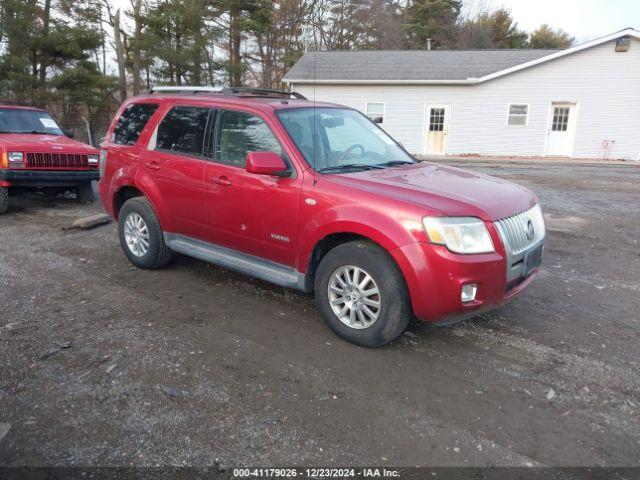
102 364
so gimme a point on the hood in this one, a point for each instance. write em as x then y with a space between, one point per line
451 191
41 143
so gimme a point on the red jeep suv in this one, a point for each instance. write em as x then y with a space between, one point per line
316 197
36 153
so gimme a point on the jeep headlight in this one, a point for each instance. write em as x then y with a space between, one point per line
459 234
93 159
15 157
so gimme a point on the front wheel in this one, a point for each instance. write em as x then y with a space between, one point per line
85 193
361 294
4 199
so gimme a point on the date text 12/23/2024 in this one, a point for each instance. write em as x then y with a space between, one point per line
315 473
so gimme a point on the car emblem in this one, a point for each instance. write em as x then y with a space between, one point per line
531 232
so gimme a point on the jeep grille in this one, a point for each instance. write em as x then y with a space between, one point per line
56 161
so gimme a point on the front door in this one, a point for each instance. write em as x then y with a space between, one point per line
254 214
437 125
560 134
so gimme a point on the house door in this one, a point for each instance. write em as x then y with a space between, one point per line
437 125
561 130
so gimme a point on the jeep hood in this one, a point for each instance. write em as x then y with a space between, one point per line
451 191
41 143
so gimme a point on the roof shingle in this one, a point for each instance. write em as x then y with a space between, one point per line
408 64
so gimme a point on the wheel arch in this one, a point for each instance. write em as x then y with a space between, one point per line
130 190
123 194
315 251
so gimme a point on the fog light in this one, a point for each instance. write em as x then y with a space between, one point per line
468 293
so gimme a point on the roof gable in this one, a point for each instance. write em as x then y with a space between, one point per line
424 67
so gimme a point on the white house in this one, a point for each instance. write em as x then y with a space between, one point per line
580 102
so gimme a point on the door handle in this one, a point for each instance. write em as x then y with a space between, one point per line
152 166
221 181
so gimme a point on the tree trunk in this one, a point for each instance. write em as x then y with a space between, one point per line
137 6
122 74
46 17
235 74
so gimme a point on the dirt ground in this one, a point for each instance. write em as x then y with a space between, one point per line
104 364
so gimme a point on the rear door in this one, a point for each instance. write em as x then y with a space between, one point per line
174 161
254 214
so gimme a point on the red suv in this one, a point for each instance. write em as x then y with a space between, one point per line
36 153
316 197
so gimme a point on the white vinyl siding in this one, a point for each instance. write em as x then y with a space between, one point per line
603 83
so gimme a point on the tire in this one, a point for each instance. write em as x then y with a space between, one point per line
85 193
394 312
4 199
157 254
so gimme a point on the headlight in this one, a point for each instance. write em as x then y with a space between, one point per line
15 157
93 159
459 234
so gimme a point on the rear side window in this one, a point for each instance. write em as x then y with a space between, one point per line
240 133
133 119
183 130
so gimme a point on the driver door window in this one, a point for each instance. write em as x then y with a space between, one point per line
240 133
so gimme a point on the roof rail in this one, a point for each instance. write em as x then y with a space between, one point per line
229 91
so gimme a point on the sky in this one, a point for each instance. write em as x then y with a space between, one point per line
583 19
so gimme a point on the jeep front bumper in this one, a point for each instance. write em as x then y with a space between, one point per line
46 178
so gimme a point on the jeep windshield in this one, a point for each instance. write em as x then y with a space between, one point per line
335 140
15 120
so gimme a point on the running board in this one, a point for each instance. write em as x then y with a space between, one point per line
240 262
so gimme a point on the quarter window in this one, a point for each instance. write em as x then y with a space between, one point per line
132 121
375 112
183 130
518 115
240 133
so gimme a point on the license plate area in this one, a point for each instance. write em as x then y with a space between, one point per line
532 260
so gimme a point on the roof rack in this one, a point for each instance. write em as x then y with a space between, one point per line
229 91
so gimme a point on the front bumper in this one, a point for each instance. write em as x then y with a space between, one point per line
435 277
46 178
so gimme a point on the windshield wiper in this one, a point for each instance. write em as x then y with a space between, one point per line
349 166
394 163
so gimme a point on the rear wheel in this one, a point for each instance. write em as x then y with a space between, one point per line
4 199
361 294
141 236
85 193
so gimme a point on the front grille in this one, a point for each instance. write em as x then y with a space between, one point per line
56 161
515 230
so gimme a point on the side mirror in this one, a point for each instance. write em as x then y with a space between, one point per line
68 133
267 163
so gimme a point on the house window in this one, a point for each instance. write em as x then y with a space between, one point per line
518 115
375 111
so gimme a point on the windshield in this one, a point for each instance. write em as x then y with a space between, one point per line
14 120
341 139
